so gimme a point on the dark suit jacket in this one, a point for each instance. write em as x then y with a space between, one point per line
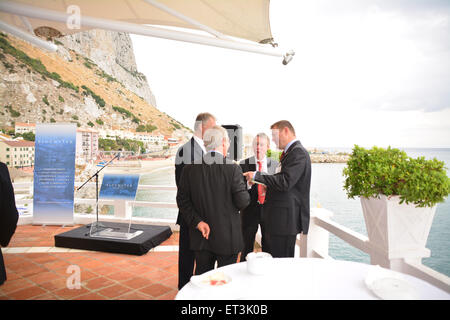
190 152
8 214
213 192
286 210
251 213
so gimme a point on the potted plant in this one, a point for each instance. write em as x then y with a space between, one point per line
398 195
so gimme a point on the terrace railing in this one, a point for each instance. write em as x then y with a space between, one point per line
315 244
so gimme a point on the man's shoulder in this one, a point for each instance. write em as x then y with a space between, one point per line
299 151
272 161
187 144
188 150
3 168
249 160
232 163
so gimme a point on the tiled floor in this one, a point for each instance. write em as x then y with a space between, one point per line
37 270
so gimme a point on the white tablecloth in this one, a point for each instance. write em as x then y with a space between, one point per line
301 278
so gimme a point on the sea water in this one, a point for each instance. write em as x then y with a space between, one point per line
327 192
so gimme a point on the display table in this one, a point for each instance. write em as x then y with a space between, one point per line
302 278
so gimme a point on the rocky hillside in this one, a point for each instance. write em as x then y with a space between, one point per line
91 80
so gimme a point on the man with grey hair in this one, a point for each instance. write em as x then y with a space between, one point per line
210 196
251 216
190 152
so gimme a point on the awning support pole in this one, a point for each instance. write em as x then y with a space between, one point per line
28 37
180 16
27 24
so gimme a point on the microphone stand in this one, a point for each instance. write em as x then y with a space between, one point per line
97 224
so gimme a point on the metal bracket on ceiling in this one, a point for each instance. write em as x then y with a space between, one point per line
28 37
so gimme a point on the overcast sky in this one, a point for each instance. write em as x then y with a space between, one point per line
364 72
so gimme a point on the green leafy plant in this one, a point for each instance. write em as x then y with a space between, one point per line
14 113
99 100
127 114
276 155
390 171
146 128
125 144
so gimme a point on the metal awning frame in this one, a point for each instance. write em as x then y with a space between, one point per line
219 40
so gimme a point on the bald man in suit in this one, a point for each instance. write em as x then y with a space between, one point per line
191 152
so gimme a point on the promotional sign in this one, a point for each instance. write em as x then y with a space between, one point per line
119 186
54 174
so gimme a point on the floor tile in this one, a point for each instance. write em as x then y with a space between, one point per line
38 270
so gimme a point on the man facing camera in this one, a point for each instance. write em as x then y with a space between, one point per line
251 216
210 196
286 210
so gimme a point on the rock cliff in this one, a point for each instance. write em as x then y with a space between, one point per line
91 80
113 53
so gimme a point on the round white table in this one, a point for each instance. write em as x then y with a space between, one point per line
302 278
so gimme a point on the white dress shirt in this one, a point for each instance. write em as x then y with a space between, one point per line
289 144
200 142
264 164
264 168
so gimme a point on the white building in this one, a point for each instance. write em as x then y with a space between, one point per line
17 153
22 127
149 138
87 144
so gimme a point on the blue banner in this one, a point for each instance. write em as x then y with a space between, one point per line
119 186
54 174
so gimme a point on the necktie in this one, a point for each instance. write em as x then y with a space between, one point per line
261 189
282 155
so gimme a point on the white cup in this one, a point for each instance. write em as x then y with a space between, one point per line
259 263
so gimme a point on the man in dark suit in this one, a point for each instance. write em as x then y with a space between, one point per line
286 211
251 216
8 214
209 197
190 152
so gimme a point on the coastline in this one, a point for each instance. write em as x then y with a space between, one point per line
140 166
329 158
148 166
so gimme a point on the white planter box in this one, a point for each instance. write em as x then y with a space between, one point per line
397 230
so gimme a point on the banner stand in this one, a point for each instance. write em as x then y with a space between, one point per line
113 233
54 174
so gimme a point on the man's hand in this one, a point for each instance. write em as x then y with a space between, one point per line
203 227
249 176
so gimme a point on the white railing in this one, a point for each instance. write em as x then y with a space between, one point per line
315 244
122 208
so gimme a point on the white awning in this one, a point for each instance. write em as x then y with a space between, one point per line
224 20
